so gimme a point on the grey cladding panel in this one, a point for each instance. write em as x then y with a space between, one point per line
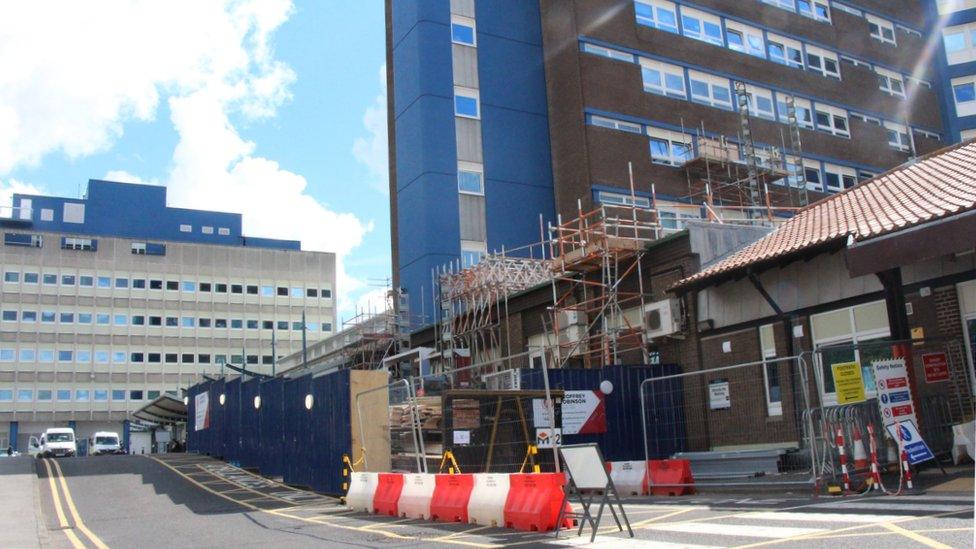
472 217
465 66
463 7
468 133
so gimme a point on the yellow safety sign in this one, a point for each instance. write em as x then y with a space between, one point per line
848 382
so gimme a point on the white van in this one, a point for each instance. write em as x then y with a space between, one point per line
104 442
56 441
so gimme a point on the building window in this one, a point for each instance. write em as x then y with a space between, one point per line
463 31
49 279
823 62
184 228
745 39
658 14
10 316
267 291
811 174
325 293
83 244
223 231
252 289
839 177
237 288
135 394
283 291
23 239
771 377
710 90
101 395
701 26
898 136
205 287
849 326
832 120
206 229
466 102
881 29
784 51
663 79
188 322
188 286
667 147
32 278
607 52
47 214
612 124
44 395
605 197
11 277
960 43
472 252
814 9
761 103
890 82
803 108
470 178
964 94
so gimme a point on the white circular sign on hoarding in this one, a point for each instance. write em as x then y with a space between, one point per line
222 399
309 400
257 402
186 401
606 387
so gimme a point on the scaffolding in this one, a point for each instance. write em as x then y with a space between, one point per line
474 302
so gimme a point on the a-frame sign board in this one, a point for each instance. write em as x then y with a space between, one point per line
588 480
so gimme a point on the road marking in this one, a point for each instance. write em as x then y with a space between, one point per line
241 486
74 511
645 522
890 533
820 517
624 542
915 536
744 530
62 520
321 521
889 506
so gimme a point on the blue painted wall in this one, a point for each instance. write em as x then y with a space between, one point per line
954 125
129 210
515 135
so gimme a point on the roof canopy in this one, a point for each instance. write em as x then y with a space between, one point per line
163 409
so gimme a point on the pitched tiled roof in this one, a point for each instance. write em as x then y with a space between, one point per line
937 185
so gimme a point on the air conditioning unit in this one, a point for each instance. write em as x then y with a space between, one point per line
662 318
569 336
565 319
508 380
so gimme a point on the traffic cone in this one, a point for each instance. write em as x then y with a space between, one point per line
860 456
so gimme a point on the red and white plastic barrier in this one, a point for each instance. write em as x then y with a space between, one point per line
489 493
415 497
670 477
860 456
521 501
629 477
388 489
362 488
452 495
875 472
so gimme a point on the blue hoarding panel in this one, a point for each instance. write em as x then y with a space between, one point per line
624 438
272 438
250 425
331 437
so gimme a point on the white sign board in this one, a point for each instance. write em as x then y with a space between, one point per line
462 437
719 397
915 448
584 465
541 413
201 411
894 392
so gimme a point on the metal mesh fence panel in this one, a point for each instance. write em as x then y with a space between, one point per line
730 423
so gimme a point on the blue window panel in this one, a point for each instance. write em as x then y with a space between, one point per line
155 249
964 92
23 239
466 106
470 182
462 34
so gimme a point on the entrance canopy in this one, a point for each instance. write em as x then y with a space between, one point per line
163 409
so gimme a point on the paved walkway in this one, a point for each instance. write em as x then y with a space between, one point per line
18 502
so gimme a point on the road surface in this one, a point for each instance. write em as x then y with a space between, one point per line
194 501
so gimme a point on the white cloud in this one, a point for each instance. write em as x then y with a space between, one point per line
11 186
372 151
69 85
374 301
123 176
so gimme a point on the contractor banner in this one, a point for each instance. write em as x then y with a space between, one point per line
201 408
579 413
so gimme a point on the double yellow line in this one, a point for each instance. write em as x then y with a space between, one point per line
56 495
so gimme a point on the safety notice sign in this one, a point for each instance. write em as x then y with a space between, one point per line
201 411
915 447
894 393
848 382
718 395
936 367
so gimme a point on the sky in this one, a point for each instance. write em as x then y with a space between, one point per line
269 108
